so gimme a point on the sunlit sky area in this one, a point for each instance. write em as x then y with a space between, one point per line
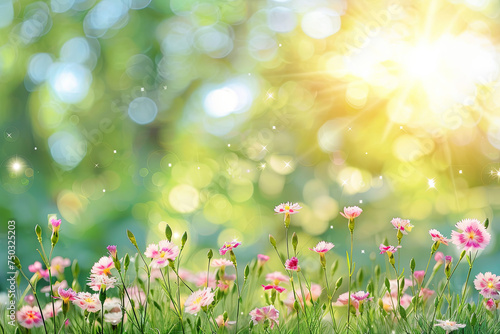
204 115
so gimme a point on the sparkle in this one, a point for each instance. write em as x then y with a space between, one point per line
164 87
344 182
169 165
401 127
274 127
249 74
331 227
380 177
104 190
228 145
264 148
176 235
349 129
280 45
142 89
360 201
9 135
114 151
36 148
198 167
269 95
248 170
495 173
16 166
431 183
460 172
366 152
362 251
287 164
262 166
96 165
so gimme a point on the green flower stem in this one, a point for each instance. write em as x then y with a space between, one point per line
349 286
36 298
466 281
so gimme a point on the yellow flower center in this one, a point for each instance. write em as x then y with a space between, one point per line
88 300
490 285
472 235
276 282
287 207
197 301
106 271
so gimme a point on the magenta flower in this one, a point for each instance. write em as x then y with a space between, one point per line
228 246
360 295
275 287
447 260
419 276
402 225
490 305
343 300
199 299
221 263
351 212
488 285
292 264
29 317
88 302
66 295
260 315
449 325
137 296
391 249
103 266
472 235
322 247
112 251
56 224
287 208
438 237
161 254
30 299
37 268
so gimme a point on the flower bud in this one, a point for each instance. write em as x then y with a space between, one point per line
168 233
210 254
131 237
447 266
38 231
272 240
295 241
184 239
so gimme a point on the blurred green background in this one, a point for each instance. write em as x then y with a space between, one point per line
131 114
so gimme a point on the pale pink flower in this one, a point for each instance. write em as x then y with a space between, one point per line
228 246
260 315
426 293
439 258
48 312
391 299
292 264
312 295
343 300
37 268
58 264
199 299
360 295
55 287
394 285
88 302
419 276
472 235
98 281
322 247
490 305
384 249
30 299
137 296
438 237
261 259
161 254
402 225
221 263
225 282
29 317
351 212
276 277
113 311
103 266
316 291
449 325
201 280
275 287
66 295
488 285
287 208
221 323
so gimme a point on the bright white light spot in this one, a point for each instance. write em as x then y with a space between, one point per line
36 148
274 127
114 151
460 172
431 183
366 152
228 145
362 251
401 127
16 166
169 165
321 23
331 227
70 82
176 235
279 45
221 102
360 201
198 168
142 89
380 177
422 61
104 190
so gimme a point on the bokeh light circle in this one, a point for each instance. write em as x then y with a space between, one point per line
142 110
184 198
16 175
321 23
